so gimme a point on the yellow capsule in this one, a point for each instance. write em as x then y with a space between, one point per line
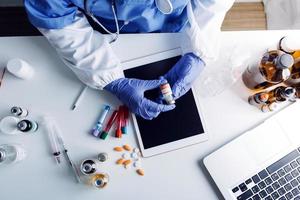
127 147
140 172
118 149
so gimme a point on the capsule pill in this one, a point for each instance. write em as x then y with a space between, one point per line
127 147
120 161
126 162
119 149
140 172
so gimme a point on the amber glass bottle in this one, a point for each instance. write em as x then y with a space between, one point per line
273 69
291 46
281 94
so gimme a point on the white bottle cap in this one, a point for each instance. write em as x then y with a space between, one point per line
289 44
8 125
20 68
164 6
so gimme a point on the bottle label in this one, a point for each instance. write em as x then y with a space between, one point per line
253 77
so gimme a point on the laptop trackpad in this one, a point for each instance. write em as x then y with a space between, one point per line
266 141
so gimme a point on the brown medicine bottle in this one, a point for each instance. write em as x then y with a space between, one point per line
291 45
281 94
273 69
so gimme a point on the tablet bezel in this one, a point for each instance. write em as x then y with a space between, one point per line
178 143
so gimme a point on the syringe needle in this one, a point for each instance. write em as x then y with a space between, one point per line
53 142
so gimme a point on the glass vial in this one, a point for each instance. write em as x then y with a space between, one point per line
258 98
89 167
11 153
27 126
99 180
273 69
281 94
167 93
269 107
290 45
102 157
19 112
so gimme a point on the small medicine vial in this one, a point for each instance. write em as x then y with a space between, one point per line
258 98
102 157
11 153
99 180
18 111
269 107
167 93
27 126
89 167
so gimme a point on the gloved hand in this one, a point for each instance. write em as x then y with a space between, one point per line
183 74
131 93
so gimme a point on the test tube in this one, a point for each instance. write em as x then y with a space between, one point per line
109 125
98 127
125 120
120 121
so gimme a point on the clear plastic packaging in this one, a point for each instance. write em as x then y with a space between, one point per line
223 73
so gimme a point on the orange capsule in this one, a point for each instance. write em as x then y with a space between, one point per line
127 147
140 172
126 162
120 161
119 149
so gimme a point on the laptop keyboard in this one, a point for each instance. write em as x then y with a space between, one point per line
281 181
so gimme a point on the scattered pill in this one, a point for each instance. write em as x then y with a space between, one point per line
140 172
136 150
126 156
126 162
127 147
120 161
127 166
134 156
137 164
118 149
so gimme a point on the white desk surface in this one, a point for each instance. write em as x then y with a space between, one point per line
175 175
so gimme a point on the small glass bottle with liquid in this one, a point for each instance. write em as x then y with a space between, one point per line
291 45
99 180
258 98
273 69
11 153
281 94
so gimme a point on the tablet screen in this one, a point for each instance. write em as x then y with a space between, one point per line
182 122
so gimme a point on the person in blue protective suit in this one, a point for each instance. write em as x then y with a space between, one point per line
90 56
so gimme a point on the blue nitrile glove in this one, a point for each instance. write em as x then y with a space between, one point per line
131 93
183 74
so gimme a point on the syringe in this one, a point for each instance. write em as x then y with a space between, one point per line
61 142
52 138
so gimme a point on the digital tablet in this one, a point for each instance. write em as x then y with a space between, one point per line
171 130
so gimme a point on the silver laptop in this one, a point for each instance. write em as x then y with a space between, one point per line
263 163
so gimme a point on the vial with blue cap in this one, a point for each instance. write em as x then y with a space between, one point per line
99 125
